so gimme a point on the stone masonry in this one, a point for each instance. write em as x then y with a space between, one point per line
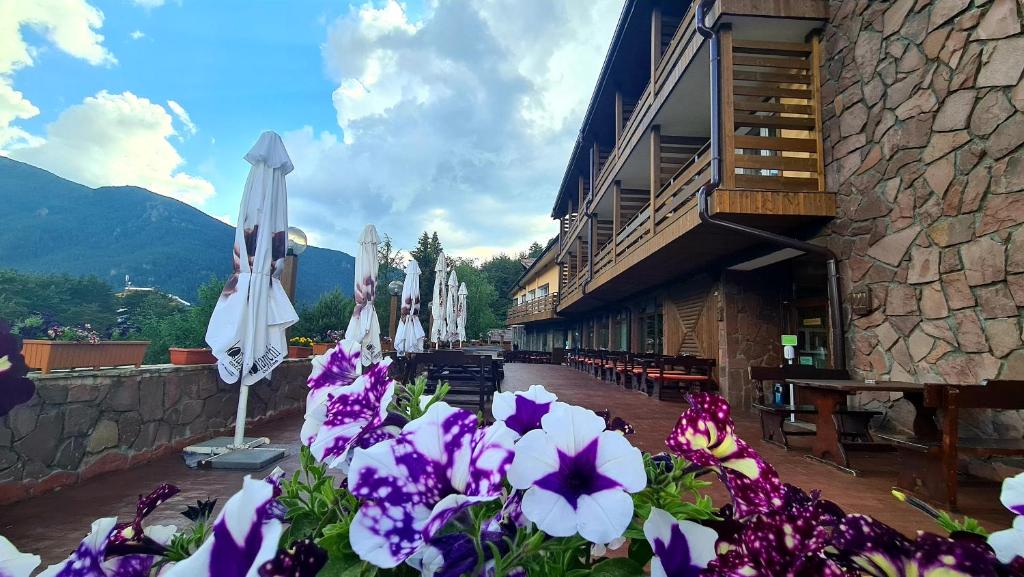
923 125
84 423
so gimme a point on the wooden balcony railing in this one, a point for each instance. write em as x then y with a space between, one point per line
540 308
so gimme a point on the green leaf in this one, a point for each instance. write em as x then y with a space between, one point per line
640 551
620 567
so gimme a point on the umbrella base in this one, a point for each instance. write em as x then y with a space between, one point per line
246 459
218 445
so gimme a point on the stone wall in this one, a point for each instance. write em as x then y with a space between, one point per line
923 125
749 331
84 423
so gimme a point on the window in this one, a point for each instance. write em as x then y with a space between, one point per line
531 295
542 291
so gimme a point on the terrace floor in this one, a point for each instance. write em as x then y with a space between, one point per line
53 524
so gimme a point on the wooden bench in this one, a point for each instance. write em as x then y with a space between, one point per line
852 424
685 374
472 379
930 465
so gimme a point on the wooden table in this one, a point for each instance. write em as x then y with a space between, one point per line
828 396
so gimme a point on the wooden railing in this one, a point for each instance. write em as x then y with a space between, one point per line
537 309
635 232
682 186
604 257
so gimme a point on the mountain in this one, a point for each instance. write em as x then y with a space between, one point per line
52 225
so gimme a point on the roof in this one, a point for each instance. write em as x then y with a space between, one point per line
546 256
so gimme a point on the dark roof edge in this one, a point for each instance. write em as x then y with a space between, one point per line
519 281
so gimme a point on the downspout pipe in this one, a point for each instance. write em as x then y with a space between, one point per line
704 210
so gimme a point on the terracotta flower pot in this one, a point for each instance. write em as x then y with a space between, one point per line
321 348
295 352
192 356
48 355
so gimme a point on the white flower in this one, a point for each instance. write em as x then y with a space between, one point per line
577 476
14 563
681 548
522 411
1009 543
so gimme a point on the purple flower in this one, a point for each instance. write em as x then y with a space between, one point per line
15 387
414 484
612 423
14 563
577 476
87 559
522 411
874 549
244 536
1009 544
303 559
340 417
681 548
455 555
133 532
706 436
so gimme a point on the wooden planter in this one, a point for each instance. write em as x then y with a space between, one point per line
192 356
49 355
321 348
295 352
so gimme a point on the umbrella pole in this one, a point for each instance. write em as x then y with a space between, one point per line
243 401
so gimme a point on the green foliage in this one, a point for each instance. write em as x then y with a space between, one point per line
965 525
481 301
426 252
535 250
167 325
331 313
57 299
391 266
185 543
502 271
407 402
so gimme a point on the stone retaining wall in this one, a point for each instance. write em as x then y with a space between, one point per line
84 423
923 124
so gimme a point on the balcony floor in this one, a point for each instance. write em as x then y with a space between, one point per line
53 524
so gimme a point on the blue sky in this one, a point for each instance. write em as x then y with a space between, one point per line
447 115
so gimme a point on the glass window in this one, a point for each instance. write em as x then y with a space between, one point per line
543 291
531 295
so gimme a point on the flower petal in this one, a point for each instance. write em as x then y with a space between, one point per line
571 428
681 548
1012 494
522 411
339 366
620 461
14 563
550 511
604 515
535 457
87 560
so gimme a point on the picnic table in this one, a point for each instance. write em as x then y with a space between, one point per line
829 397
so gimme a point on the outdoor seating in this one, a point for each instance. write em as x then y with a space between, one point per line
529 357
472 379
684 374
930 464
852 424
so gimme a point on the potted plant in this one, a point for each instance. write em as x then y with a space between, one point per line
189 356
328 341
300 347
79 347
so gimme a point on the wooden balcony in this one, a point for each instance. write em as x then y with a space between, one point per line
539 309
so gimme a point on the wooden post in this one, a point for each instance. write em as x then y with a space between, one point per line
288 275
655 46
728 136
595 169
582 195
618 119
816 103
616 218
655 179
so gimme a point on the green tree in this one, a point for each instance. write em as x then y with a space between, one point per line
390 268
502 271
175 326
57 299
481 299
331 313
428 248
535 250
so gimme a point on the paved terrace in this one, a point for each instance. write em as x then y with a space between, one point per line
53 524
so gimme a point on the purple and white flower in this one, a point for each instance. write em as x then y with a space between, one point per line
338 367
14 563
1009 543
302 559
244 536
681 548
414 484
351 415
522 411
577 476
706 436
87 559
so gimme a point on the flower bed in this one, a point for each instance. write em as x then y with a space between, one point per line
181 356
48 355
546 490
297 352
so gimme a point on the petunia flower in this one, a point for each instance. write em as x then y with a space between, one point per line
681 548
14 563
244 536
522 411
1009 543
874 549
349 415
302 559
612 423
455 555
706 436
414 484
15 387
577 476
338 367
87 559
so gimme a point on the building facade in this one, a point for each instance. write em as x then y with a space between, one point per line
849 172
533 316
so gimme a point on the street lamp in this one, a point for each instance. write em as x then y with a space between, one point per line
395 290
297 244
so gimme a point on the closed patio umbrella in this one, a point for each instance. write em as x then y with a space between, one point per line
461 327
409 336
438 327
364 326
451 307
247 328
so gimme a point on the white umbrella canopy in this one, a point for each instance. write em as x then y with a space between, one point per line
451 307
438 326
364 326
461 326
409 336
247 328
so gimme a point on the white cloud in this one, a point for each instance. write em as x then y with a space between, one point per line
149 3
117 139
460 122
137 35
70 25
182 115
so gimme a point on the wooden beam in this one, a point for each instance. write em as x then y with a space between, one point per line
582 194
655 43
616 216
655 173
816 103
595 168
618 118
728 135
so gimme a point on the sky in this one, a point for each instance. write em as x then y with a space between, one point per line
455 116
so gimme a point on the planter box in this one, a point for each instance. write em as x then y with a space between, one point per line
49 355
192 356
295 352
321 348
